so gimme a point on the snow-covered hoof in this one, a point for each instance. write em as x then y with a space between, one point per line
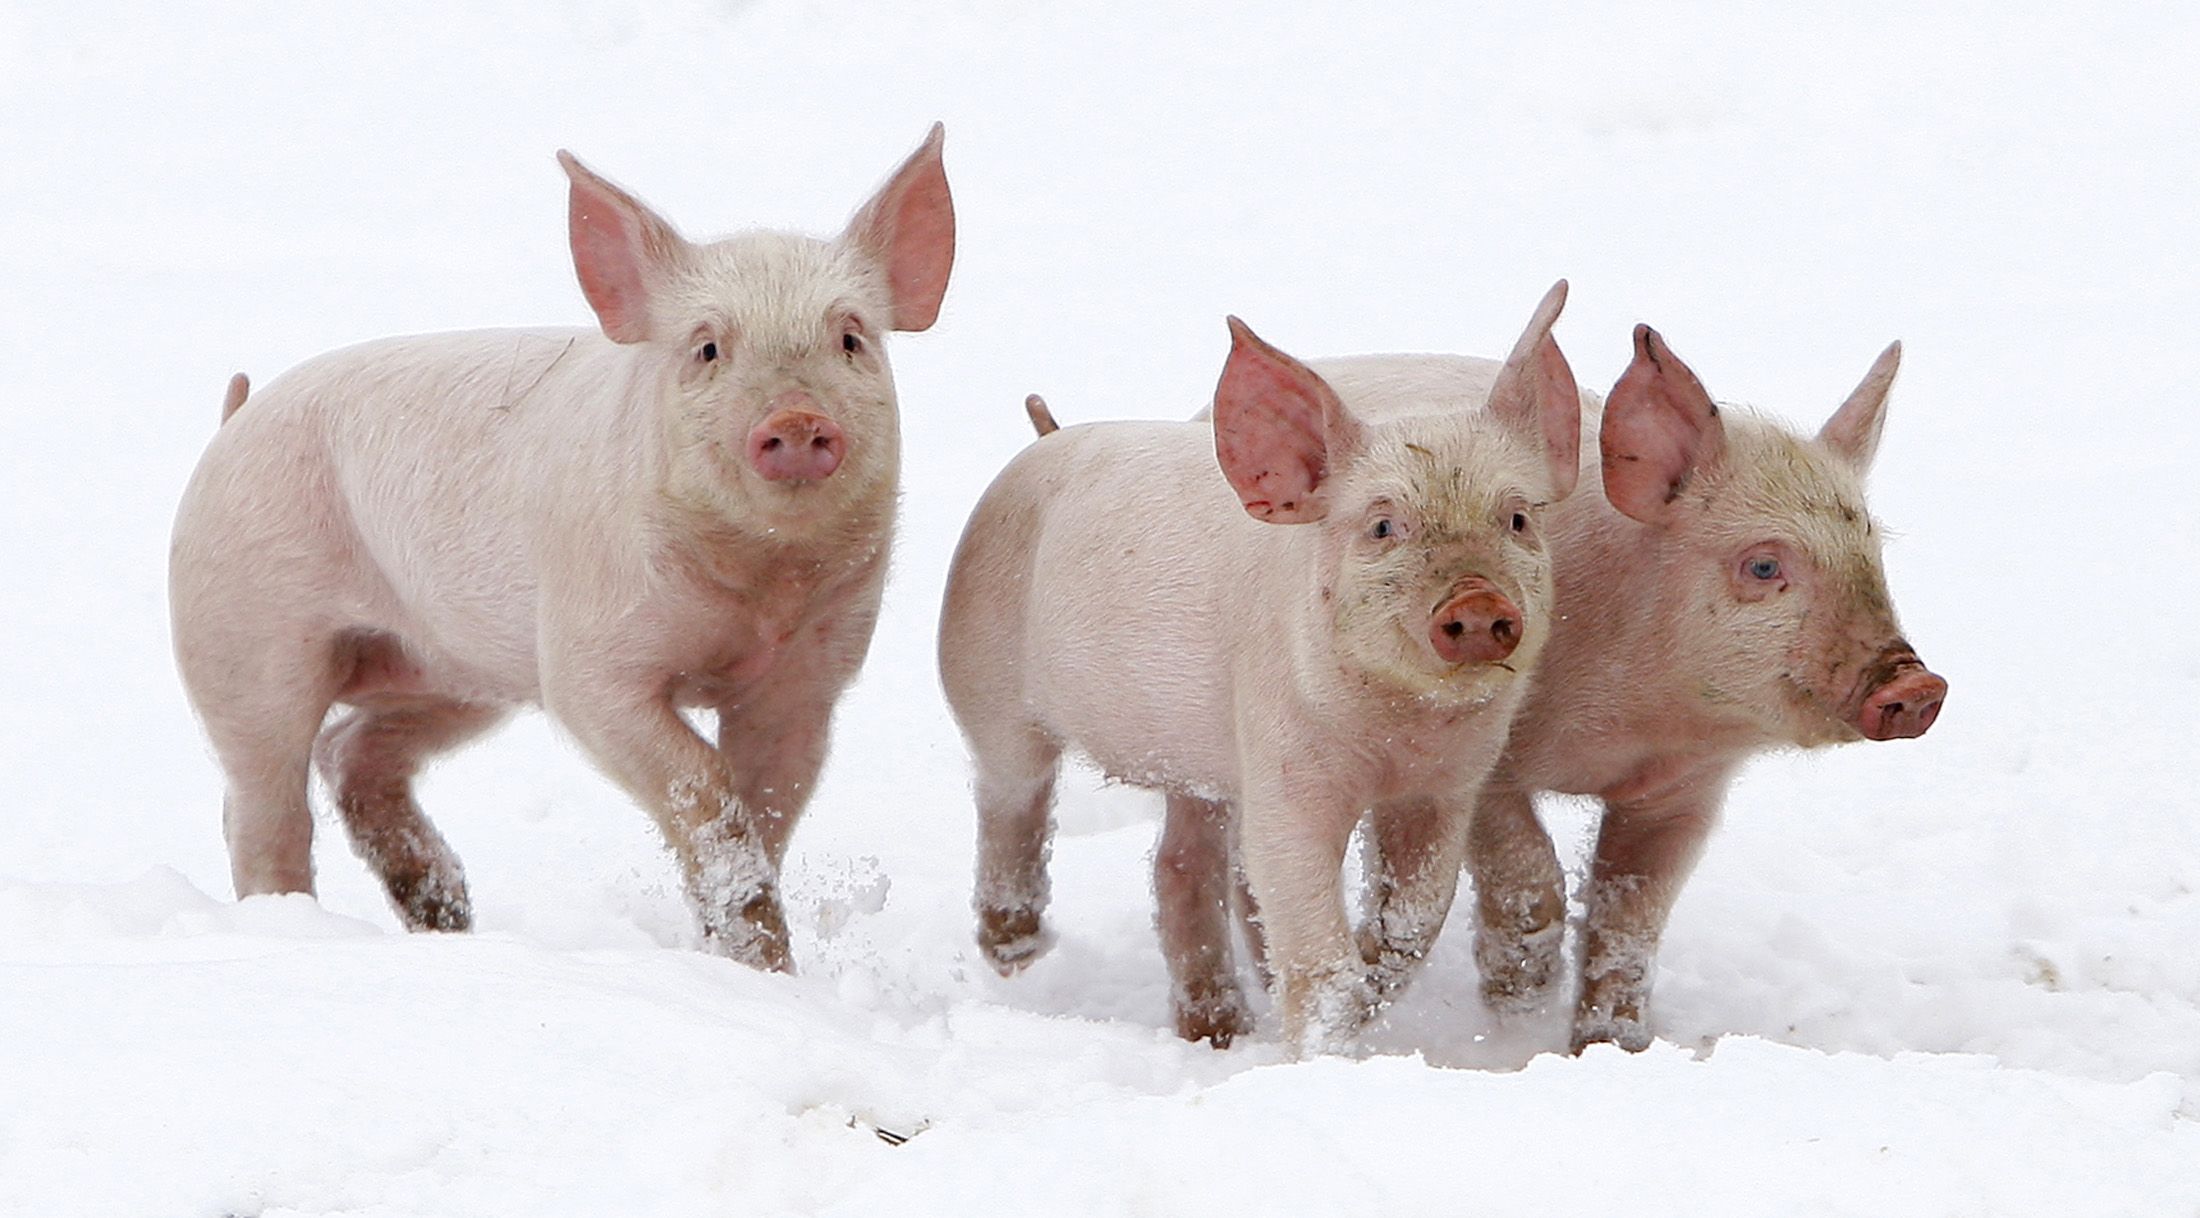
1218 1017
1613 1002
1519 971
1632 1035
1324 1009
756 935
434 901
1391 962
1012 938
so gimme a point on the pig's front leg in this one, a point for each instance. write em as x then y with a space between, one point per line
1645 851
1294 836
1520 902
632 732
1414 852
775 750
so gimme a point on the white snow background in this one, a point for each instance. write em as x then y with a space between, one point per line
1955 975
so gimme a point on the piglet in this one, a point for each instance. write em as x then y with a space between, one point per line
1723 596
1341 617
689 509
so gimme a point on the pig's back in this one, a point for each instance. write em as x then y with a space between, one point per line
1380 388
1377 388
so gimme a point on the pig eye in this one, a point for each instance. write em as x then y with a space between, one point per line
850 343
707 353
1520 522
1383 528
1763 567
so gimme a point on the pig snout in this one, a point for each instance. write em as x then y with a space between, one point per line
795 443
1902 707
1477 625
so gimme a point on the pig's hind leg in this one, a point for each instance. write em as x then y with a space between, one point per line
1192 878
369 759
1016 767
261 705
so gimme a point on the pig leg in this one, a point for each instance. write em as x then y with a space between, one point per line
1414 850
775 754
1294 859
369 759
1191 879
638 739
262 708
1520 902
1644 852
1015 783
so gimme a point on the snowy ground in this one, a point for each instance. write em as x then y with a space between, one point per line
1958 975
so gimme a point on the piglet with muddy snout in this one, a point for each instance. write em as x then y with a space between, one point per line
1340 617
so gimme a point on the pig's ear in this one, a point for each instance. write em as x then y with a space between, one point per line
908 227
1279 431
1536 396
1660 430
622 251
1853 431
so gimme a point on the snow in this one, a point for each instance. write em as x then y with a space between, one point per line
1953 975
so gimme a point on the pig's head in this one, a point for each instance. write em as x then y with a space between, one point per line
1427 531
765 351
1771 563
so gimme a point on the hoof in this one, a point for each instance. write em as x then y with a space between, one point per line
1012 938
1218 1023
1628 1034
435 912
1212 1010
1519 972
757 937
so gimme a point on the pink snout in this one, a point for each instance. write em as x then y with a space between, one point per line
1904 707
796 446
1478 625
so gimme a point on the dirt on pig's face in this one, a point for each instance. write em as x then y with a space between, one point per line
1440 583
1784 598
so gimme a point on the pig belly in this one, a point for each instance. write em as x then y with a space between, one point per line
381 668
1165 733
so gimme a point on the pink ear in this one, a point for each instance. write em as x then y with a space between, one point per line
1853 431
1279 430
1535 394
621 250
1660 429
909 227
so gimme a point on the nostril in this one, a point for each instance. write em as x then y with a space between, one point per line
771 443
1503 629
1454 628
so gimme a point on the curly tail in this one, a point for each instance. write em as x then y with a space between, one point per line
1042 419
239 386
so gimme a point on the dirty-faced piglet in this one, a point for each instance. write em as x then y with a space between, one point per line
1341 616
